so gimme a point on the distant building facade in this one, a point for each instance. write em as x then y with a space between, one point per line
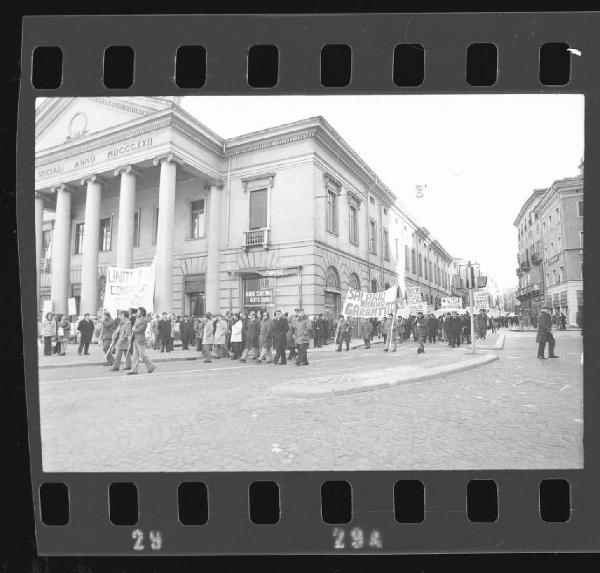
550 239
282 217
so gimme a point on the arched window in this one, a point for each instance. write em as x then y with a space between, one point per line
374 286
332 280
354 281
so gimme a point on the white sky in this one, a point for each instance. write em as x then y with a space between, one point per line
480 156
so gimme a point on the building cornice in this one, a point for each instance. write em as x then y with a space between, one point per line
559 188
535 195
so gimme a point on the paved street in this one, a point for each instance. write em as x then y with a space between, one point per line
516 412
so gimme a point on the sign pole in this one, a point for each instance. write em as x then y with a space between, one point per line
471 284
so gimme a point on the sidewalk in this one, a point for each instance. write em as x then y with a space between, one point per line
96 356
410 367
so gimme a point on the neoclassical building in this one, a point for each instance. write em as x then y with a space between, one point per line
277 218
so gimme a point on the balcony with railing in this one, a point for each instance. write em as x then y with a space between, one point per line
529 290
536 258
257 238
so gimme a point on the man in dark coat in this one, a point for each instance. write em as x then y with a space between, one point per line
454 330
544 334
164 331
86 327
186 328
433 325
280 328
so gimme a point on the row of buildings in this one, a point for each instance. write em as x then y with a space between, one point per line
550 250
277 218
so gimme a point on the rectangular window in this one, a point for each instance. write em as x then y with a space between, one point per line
557 217
373 237
155 226
580 208
386 244
258 208
79 239
420 265
105 233
425 271
136 228
197 220
581 239
413 262
397 250
332 220
47 244
561 274
406 259
353 225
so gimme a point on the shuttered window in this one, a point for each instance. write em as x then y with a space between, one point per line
258 208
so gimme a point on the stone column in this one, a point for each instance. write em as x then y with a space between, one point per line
60 250
126 216
91 246
39 240
213 261
163 290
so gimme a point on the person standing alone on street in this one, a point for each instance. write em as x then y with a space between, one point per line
422 331
139 343
48 332
86 328
343 327
302 336
544 334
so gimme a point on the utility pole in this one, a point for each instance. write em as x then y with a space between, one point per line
470 286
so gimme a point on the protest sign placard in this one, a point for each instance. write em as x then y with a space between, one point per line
129 288
359 304
481 300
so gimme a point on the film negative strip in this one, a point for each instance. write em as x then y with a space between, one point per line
150 193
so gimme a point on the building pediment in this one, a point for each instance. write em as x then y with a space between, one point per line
63 120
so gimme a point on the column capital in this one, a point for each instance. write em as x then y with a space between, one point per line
127 169
93 179
62 187
168 157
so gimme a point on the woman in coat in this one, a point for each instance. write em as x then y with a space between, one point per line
366 329
220 337
48 333
265 339
63 328
236 336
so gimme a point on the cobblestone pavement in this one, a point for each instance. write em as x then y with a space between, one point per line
517 412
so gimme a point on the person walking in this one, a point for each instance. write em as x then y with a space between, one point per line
86 328
302 337
123 340
544 334
208 337
396 333
139 343
265 338
280 330
433 328
252 335
341 332
422 331
48 333
366 329
220 337
108 329
155 333
236 336
563 321
385 329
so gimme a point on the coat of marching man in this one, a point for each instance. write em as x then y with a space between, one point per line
139 343
544 334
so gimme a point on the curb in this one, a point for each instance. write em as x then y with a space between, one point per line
431 373
176 359
499 343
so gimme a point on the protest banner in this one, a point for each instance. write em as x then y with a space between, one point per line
71 303
451 303
481 300
414 299
129 288
359 304
47 306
